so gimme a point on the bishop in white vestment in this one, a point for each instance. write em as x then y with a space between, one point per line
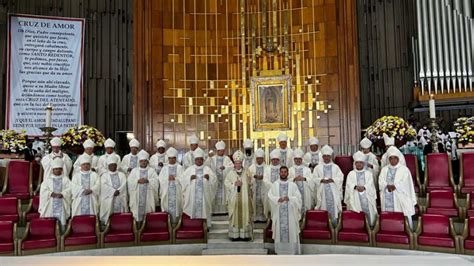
199 187
130 161
360 194
159 159
285 202
221 164
261 184
397 193
171 195
56 152
85 189
390 142
113 191
188 159
328 178
143 188
371 163
55 194
249 158
313 156
109 146
239 200
303 178
89 146
285 153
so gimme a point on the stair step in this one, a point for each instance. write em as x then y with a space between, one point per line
246 251
220 218
228 244
224 234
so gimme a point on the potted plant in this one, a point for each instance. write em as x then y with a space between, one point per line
464 126
393 126
74 137
12 142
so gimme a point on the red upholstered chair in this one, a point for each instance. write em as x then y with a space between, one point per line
268 233
412 164
443 202
32 209
317 228
438 173
10 209
466 173
190 230
8 242
469 212
82 233
37 175
156 229
353 229
436 233
392 231
346 163
41 236
466 240
120 231
18 180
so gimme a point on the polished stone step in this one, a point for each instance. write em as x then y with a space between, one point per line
228 244
223 234
246 251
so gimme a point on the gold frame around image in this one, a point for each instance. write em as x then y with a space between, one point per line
271 103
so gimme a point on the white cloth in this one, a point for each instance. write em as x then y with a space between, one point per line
94 163
46 163
384 161
375 170
215 163
239 204
312 158
198 193
79 201
334 199
109 204
260 190
143 197
188 160
171 192
306 188
156 159
285 160
127 163
53 207
285 217
102 166
404 197
361 201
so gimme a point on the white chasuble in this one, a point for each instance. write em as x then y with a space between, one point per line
110 182
239 203
329 196
59 208
365 201
143 197
171 191
85 204
306 187
260 188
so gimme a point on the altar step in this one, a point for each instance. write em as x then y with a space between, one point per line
218 242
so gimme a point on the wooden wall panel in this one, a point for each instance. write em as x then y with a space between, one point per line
108 56
182 47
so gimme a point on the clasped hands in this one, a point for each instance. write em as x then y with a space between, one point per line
143 181
206 176
327 181
391 188
283 199
299 178
57 195
87 192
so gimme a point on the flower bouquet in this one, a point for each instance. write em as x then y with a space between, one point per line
464 126
12 141
74 137
393 126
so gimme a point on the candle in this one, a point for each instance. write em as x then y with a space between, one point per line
432 107
49 113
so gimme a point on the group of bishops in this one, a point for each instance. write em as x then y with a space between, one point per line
244 187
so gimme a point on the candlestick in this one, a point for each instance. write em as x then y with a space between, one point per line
49 113
432 107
